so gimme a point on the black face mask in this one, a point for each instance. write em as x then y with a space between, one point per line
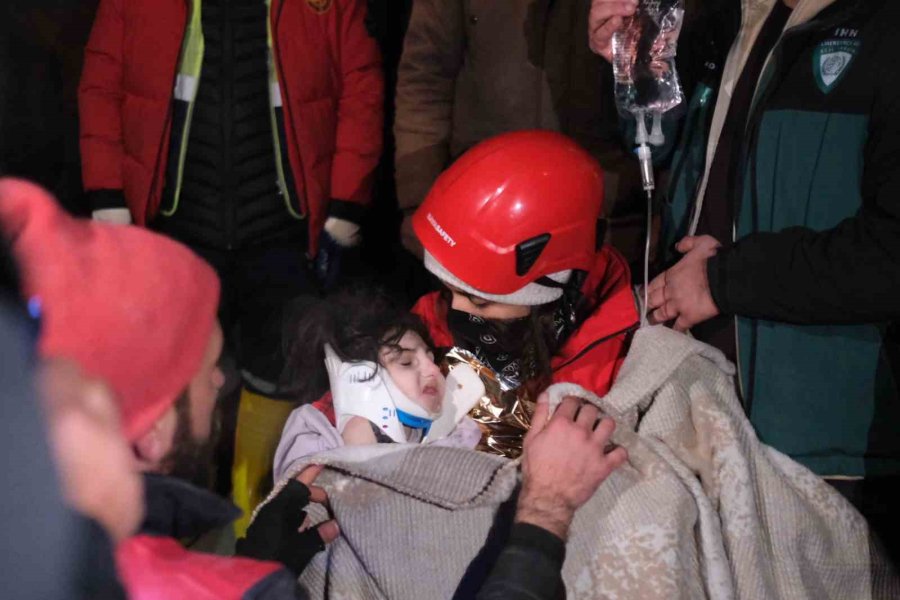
500 344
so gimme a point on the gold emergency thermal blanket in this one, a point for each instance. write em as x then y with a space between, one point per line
502 414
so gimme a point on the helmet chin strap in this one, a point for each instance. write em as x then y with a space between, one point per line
550 283
573 301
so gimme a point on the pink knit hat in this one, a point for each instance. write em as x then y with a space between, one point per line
129 306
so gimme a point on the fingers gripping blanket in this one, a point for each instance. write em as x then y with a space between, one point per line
702 509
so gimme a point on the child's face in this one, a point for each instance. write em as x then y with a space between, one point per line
412 368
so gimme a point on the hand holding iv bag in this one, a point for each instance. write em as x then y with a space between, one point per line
646 83
644 58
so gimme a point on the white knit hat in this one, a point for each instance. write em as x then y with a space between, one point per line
533 294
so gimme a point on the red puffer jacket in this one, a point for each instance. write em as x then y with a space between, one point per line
332 89
159 568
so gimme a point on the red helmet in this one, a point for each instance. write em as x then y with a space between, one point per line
513 210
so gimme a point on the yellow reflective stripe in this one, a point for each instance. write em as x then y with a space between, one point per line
275 101
186 85
192 51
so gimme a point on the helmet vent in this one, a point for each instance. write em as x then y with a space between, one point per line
528 252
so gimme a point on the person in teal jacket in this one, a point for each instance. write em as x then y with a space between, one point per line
784 208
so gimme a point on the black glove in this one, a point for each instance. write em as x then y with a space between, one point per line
328 261
274 536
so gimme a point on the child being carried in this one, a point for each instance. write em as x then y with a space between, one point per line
378 364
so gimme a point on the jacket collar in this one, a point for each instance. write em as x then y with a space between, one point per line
177 509
613 309
753 16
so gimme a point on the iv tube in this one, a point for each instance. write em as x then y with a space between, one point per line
645 156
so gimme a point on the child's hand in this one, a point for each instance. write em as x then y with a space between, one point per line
564 462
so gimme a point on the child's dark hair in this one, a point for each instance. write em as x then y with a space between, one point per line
356 323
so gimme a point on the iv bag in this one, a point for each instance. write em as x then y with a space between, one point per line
644 58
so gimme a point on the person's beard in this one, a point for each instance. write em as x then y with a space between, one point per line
190 459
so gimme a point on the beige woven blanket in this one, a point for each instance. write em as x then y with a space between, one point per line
701 510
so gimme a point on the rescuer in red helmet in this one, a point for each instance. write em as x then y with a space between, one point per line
511 229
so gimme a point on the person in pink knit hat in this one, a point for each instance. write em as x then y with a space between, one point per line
138 311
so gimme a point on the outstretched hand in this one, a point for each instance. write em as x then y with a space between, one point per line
564 461
329 530
681 293
279 531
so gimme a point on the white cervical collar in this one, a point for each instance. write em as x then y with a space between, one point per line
362 389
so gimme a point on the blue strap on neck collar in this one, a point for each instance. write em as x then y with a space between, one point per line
414 421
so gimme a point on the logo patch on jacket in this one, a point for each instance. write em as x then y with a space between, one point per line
319 6
832 58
